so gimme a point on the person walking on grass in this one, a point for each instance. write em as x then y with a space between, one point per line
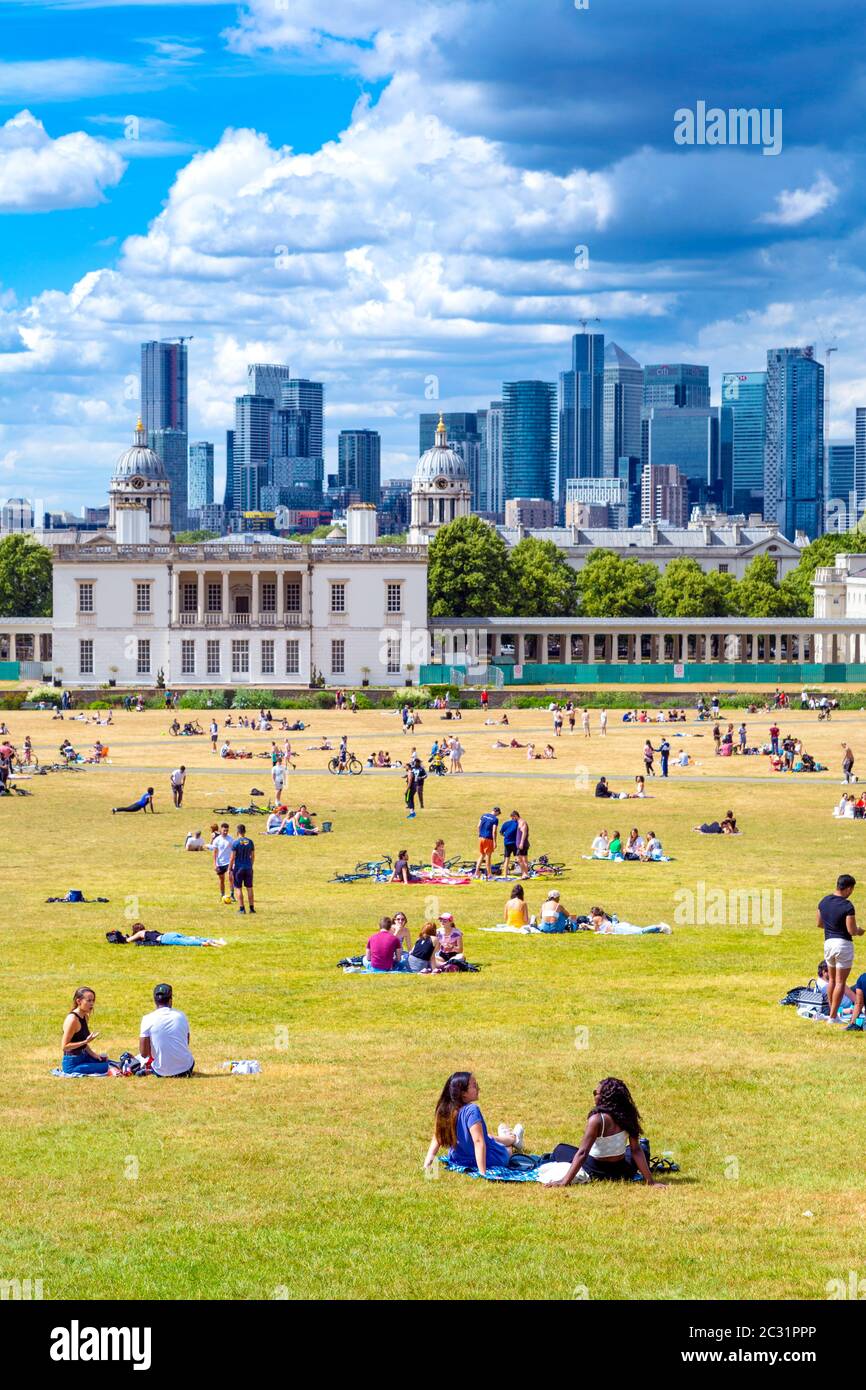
664 754
214 735
141 804
487 828
584 719
178 782
837 917
847 763
241 867
602 723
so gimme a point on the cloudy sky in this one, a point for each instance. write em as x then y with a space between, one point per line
381 192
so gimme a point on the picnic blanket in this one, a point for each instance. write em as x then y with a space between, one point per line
616 929
604 859
515 1174
356 965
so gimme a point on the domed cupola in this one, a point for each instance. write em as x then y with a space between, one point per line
441 489
139 495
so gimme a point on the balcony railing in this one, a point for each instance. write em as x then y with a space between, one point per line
241 620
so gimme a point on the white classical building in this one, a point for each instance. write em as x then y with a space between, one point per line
129 604
441 490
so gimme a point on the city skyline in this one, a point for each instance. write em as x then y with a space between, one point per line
492 211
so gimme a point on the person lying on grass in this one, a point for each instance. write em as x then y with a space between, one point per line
460 1128
79 1059
726 826
139 935
610 1148
601 921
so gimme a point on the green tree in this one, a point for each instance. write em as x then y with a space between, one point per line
467 573
611 586
685 591
798 584
759 595
395 539
542 582
195 537
25 578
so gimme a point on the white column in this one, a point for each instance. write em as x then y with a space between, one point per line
175 596
281 596
200 597
614 648
254 601
226 597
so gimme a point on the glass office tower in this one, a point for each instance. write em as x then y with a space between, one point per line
529 429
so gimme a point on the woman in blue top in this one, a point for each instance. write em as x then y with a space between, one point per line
460 1128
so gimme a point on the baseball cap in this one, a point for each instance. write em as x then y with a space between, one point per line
162 993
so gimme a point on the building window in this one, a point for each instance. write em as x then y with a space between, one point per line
293 596
240 657
293 657
394 599
268 657
723 569
85 598
393 658
187 658
338 657
214 598
85 657
143 660
213 658
189 598
142 598
338 598
269 598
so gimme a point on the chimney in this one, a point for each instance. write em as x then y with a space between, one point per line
362 525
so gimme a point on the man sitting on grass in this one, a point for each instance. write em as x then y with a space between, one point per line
164 1036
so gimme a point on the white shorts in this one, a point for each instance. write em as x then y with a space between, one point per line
839 953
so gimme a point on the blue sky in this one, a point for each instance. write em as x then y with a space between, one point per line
379 192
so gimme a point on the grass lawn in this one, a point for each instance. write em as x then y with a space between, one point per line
306 1181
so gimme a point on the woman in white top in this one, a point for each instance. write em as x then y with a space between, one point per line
600 845
610 1147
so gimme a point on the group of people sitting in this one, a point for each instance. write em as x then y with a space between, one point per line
439 946
283 821
791 756
612 1147
554 917
163 1039
604 791
381 759
231 753
851 807
188 729
661 716
634 846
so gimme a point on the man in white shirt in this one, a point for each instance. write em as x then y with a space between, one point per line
178 781
221 844
164 1037
279 776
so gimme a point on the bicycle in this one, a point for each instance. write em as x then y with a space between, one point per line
352 765
375 866
543 866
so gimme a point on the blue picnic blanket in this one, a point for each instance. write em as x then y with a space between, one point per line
521 1174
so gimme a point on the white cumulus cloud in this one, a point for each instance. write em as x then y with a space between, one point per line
39 174
794 206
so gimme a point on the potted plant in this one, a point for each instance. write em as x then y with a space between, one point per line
409 668
112 679
365 675
58 675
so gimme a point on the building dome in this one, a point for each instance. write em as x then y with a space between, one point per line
140 461
441 462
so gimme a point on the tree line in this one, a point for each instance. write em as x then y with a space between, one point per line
473 574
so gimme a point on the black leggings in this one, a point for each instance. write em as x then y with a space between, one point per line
622 1170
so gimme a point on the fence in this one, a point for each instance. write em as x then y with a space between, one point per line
710 674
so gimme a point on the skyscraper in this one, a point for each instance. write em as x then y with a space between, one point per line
664 495
164 414
581 413
229 494
842 511
794 444
860 458
200 474
266 379
491 483
686 439
623 400
676 384
299 394
743 433
252 444
528 438
358 455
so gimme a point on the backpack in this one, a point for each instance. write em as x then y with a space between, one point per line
116 938
807 995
